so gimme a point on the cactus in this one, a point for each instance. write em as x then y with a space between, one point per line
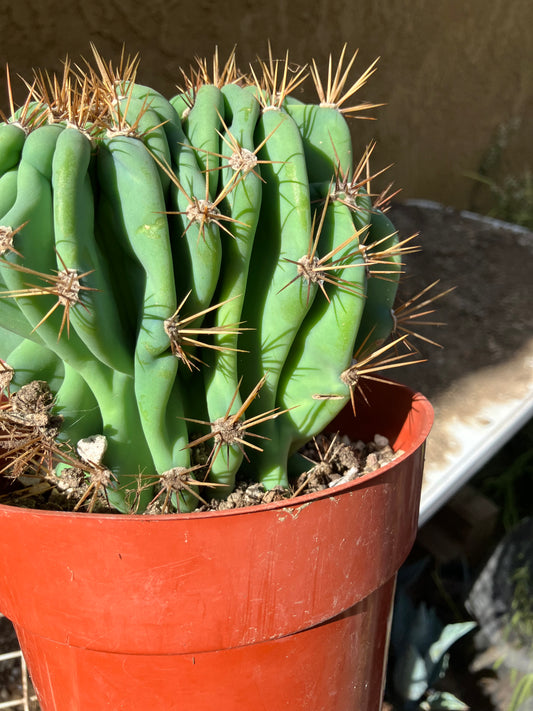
203 280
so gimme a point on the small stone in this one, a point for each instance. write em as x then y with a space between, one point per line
380 441
92 449
350 475
372 462
276 494
253 494
346 457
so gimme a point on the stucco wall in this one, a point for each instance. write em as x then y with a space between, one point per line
450 72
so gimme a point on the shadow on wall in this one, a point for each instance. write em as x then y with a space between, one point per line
449 73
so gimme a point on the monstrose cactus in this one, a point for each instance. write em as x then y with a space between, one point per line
201 281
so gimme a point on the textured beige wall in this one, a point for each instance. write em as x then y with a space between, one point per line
450 71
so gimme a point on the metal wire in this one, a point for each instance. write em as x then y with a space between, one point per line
27 701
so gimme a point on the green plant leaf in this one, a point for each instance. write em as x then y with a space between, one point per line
449 635
410 678
441 700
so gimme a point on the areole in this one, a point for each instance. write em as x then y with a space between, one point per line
283 605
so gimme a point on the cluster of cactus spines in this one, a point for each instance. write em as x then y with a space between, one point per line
209 271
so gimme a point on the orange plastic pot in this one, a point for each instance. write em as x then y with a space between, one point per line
280 606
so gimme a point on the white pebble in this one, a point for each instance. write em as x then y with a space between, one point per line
92 449
380 441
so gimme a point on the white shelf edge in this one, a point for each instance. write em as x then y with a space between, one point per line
461 471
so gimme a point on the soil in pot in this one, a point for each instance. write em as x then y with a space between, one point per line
26 420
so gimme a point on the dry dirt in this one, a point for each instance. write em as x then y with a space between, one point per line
486 359
489 314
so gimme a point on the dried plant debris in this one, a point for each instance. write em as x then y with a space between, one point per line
37 470
28 429
73 487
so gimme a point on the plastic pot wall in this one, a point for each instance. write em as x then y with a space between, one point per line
284 605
